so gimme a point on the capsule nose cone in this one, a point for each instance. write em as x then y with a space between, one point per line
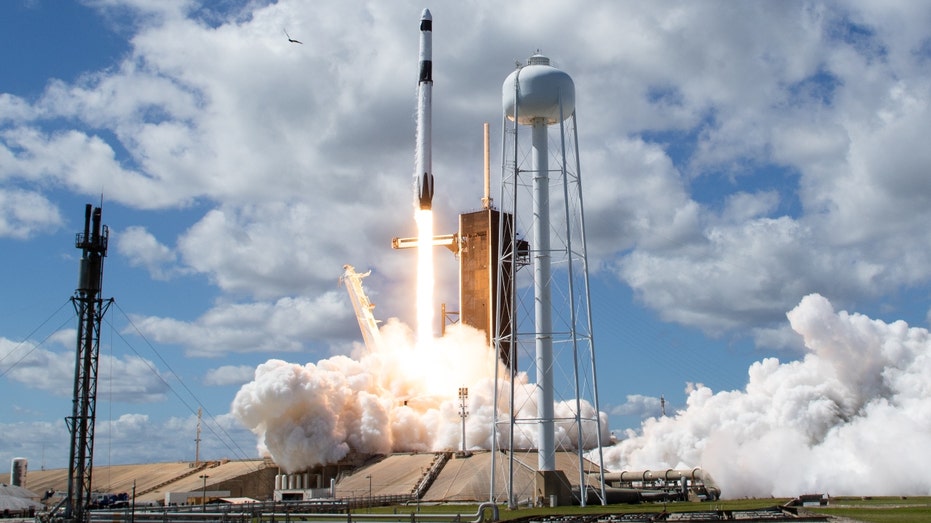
426 15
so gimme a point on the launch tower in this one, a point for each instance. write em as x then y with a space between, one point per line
479 238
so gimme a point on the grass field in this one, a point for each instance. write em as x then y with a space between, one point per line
879 509
866 509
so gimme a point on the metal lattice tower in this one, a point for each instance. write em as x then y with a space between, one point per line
90 308
548 401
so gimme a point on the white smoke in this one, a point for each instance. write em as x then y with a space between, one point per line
852 417
399 397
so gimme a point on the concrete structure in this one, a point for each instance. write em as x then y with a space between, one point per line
452 478
248 478
449 477
197 497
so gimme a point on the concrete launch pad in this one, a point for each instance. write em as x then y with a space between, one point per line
452 477
441 476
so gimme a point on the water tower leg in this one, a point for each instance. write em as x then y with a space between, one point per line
543 308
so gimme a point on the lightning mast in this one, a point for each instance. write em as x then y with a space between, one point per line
90 308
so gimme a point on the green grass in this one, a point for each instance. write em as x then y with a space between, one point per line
879 509
623 508
871 509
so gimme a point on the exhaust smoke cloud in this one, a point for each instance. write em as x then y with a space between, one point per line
402 397
853 416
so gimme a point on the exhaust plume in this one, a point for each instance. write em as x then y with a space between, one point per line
402 397
852 417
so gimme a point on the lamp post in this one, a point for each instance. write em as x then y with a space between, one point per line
463 413
132 514
203 499
369 477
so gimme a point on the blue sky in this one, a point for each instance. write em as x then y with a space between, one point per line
736 158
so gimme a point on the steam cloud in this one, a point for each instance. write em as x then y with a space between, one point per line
852 417
398 398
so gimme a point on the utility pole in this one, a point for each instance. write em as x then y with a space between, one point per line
90 308
203 499
197 439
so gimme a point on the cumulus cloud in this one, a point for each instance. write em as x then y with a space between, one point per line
280 326
128 379
26 213
229 375
127 438
639 405
271 136
143 249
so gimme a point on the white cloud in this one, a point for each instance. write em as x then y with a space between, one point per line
230 375
144 250
26 213
286 325
130 438
126 379
84 163
639 405
165 9
302 152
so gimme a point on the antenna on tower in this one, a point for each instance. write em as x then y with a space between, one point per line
197 439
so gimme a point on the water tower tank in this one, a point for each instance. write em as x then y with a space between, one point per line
537 89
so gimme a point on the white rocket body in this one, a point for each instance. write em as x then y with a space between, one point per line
423 173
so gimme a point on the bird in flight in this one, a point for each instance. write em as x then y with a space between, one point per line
293 41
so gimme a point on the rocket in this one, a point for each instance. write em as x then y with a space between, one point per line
423 173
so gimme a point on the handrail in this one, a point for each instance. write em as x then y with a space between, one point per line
254 512
189 472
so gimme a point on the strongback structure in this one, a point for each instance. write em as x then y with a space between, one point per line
544 321
479 239
90 308
478 243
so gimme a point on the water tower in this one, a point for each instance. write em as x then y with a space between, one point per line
549 335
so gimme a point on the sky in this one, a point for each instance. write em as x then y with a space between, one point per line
756 196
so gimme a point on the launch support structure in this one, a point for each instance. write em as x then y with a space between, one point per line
90 308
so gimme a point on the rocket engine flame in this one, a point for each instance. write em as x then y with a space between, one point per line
425 277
